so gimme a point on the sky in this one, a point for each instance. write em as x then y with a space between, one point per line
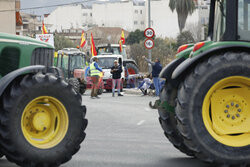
35 3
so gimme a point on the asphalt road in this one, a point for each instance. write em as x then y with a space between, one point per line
124 132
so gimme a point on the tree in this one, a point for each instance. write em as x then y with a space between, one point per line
183 9
62 42
199 31
165 50
135 37
185 37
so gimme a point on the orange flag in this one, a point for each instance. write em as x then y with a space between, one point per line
83 40
123 37
93 50
120 43
44 30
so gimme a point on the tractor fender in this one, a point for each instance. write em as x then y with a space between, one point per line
190 62
7 79
168 70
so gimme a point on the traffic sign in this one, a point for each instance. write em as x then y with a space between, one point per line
149 43
149 33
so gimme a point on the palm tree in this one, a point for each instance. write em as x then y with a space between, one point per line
183 9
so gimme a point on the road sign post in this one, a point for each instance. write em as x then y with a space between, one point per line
149 33
149 43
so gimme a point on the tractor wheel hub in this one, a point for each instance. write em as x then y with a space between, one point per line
41 121
230 111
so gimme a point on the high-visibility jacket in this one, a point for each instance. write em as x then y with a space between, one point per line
93 70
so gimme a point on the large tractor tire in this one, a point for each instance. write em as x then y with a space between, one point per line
213 109
75 83
168 121
132 68
42 121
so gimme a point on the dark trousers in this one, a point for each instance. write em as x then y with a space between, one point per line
95 86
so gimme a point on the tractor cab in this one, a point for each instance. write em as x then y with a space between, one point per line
229 20
72 62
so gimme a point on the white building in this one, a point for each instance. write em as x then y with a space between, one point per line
126 14
87 16
32 24
164 21
69 17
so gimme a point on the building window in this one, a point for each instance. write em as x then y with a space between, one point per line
135 22
85 14
142 22
25 26
136 11
141 11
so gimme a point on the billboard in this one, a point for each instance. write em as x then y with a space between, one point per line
49 38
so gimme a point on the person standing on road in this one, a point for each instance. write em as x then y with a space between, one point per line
95 74
156 69
116 71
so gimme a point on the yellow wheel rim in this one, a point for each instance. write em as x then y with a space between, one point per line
44 122
226 111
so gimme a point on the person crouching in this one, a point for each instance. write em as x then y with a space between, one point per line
116 71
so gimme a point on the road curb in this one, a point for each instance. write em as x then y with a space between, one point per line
132 91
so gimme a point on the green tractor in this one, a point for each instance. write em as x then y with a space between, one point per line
72 63
204 106
42 120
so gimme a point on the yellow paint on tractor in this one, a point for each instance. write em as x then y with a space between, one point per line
44 122
226 111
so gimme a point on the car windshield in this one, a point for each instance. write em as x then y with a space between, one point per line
77 62
106 62
219 20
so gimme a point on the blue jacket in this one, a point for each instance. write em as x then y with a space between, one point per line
97 67
157 67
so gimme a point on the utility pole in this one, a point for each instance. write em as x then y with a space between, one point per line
149 26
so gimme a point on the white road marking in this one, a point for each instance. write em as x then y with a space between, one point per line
141 122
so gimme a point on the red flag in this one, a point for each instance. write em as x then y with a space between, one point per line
93 49
44 30
83 40
123 37
120 43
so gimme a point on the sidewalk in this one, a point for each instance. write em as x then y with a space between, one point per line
132 91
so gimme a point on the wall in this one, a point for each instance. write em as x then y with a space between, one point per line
8 19
65 17
119 14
